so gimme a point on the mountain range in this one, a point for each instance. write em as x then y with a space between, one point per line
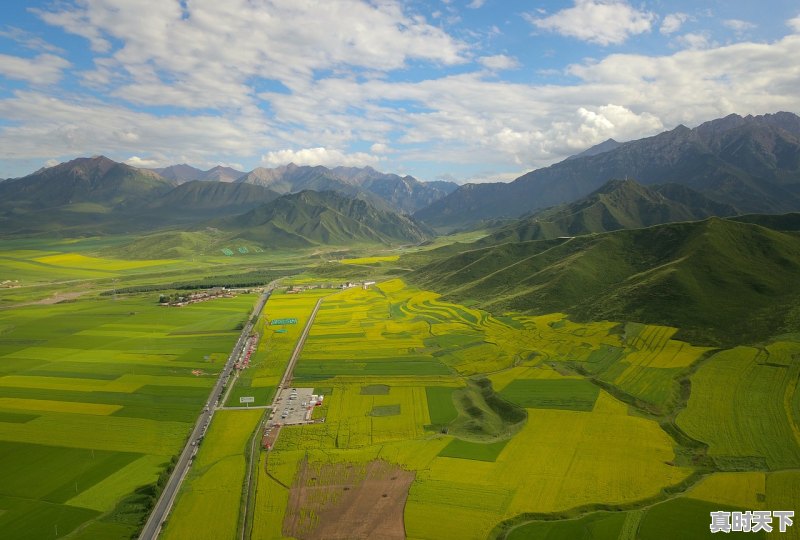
404 194
96 196
388 191
312 218
751 163
186 173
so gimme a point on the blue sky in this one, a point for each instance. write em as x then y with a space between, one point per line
472 90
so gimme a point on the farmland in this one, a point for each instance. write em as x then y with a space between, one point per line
208 504
500 425
596 403
98 392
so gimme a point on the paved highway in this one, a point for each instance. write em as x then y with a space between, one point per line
153 525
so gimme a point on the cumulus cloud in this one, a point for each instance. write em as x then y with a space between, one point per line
605 22
208 53
475 4
499 62
379 148
694 40
324 93
318 156
144 163
42 69
794 23
673 22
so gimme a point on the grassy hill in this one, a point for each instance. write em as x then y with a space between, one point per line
720 281
198 200
311 218
619 204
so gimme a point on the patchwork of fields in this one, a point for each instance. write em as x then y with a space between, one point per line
437 389
511 426
96 396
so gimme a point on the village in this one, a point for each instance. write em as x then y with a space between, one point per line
181 299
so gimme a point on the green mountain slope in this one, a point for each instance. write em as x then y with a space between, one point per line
100 196
619 204
720 281
82 196
97 180
310 218
211 199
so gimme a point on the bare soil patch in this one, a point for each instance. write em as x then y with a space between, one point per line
355 501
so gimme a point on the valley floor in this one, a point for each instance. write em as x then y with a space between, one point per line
438 420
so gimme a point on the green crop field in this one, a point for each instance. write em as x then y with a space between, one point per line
746 407
97 392
208 504
571 394
440 405
472 450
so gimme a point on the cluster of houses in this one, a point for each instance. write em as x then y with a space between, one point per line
183 299
9 284
295 289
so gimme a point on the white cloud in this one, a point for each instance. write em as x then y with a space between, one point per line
605 22
42 69
29 40
77 22
673 22
475 4
794 23
738 25
499 62
333 101
144 163
51 163
694 40
207 53
318 156
489 176
43 125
